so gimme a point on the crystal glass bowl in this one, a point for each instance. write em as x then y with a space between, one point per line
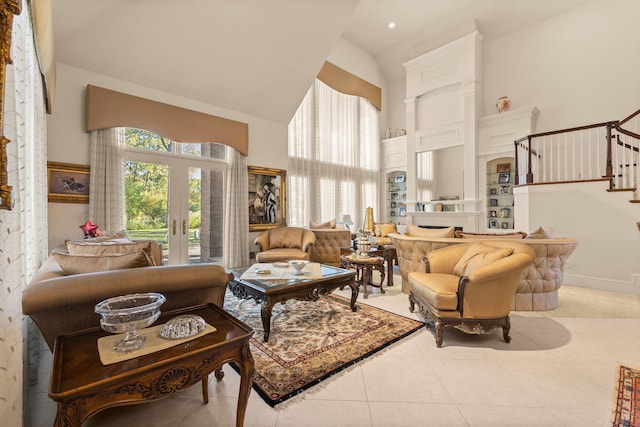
183 326
127 314
298 265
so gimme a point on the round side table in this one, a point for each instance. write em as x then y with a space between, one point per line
364 268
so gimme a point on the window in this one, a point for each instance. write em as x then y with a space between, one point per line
174 193
333 157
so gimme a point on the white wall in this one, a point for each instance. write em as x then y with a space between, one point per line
608 253
68 142
578 68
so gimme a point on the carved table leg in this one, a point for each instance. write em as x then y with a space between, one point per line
382 274
355 290
68 414
205 389
389 260
366 278
266 318
246 379
219 374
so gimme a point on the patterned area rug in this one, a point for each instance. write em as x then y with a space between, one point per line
626 399
313 340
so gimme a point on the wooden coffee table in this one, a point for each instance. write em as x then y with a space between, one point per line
82 386
271 292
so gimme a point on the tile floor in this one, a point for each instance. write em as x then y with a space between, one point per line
558 370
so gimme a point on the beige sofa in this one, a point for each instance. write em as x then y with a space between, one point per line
60 304
538 287
329 242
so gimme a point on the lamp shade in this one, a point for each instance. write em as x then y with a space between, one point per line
368 220
346 219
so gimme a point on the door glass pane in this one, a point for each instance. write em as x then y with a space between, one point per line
205 215
147 195
210 150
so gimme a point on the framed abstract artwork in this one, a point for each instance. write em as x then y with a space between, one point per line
266 201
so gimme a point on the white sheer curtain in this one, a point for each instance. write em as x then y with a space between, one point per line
23 234
106 200
236 214
333 158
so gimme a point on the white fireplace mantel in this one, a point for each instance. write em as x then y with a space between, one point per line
467 220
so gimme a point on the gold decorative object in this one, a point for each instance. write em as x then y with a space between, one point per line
8 8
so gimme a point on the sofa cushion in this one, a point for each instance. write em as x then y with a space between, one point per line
541 233
285 237
416 231
386 229
91 263
439 290
321 225
117 236
479 255
109 247
466 235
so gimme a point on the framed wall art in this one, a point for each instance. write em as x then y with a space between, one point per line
503 167
267 192
504 178
67 182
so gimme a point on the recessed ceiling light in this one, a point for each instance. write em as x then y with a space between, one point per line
392 25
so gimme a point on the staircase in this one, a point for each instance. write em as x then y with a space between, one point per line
603 151
582 163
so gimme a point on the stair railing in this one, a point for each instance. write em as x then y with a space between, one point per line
608 150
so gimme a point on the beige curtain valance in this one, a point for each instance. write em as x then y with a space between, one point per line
345 82
107 108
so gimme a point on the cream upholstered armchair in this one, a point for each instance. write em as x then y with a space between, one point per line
470 286
284 244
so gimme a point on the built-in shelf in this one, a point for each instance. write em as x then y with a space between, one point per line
396 197
500 182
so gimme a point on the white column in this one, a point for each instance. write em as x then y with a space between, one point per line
470 182
410 108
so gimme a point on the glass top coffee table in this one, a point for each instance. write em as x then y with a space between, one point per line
271 290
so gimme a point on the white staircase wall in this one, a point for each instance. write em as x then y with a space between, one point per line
608 255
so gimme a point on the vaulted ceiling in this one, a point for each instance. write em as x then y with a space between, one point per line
259 57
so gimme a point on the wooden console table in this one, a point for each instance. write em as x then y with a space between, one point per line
82 386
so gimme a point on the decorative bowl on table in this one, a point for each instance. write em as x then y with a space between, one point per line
298 265
184 326
128 314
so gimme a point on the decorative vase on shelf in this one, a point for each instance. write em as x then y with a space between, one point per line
503 104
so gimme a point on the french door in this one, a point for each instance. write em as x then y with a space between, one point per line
176 200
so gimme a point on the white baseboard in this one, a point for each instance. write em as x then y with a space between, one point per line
604 284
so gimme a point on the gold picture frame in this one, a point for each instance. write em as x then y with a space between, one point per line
67 182
503 167
267 198
8 8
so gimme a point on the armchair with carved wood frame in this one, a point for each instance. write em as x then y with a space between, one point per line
476 302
